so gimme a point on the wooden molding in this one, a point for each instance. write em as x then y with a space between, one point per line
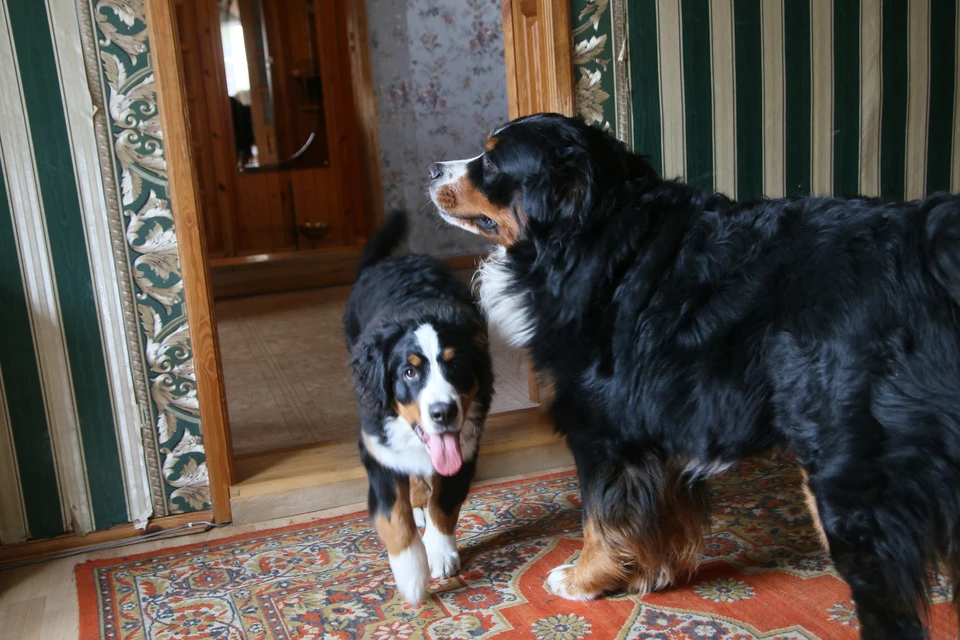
365 103
296 270
37 549
184 195
538 51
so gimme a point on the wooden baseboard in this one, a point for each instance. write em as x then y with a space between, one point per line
38 549
296 270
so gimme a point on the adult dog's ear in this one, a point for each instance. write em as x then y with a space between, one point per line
638 167
369 370
564 190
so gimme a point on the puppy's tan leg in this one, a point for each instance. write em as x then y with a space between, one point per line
408 557
811 501
440 535
420 490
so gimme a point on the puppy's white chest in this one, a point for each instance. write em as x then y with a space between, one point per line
400 449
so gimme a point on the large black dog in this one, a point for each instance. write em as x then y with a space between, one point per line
424 381
683 331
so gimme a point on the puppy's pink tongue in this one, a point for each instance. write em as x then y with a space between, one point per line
445 452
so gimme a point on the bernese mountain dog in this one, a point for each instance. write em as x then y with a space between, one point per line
423 378
682 331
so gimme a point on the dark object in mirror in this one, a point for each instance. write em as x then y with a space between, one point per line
273 70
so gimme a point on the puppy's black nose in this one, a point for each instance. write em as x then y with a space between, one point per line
436 170
443 413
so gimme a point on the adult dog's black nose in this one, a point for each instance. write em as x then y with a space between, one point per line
443 413
436 170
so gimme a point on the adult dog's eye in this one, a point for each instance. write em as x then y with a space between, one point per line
489 166
486 223
410 373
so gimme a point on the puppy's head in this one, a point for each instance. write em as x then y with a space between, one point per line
428 374
536 171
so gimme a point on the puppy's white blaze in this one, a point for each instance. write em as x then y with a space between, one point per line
437 388
442 554
506 310
411 571
401 449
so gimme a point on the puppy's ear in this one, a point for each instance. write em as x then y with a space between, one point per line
369 370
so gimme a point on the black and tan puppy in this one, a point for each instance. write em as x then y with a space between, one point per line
423 380
683 331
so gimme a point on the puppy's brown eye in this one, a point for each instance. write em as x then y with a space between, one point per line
410 373
486 223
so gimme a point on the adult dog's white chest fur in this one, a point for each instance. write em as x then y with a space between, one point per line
505 308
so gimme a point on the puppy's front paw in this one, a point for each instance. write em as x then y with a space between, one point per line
419 518
563 582
411 571
441 553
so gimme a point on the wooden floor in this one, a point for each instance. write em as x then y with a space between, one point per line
40 602
285 370
296 480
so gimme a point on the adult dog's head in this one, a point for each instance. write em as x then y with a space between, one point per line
541 182
544 170
431 369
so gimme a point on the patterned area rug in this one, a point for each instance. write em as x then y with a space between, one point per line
764 576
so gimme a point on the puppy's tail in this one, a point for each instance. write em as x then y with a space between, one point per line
384 241
943 239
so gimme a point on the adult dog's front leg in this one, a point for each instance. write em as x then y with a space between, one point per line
643 528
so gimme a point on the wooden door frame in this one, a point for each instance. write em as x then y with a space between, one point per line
538 44
184 196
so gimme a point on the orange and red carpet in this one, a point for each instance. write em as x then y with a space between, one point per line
764 576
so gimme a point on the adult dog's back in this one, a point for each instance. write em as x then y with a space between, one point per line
682 331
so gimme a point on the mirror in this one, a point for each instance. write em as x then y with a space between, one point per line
271 57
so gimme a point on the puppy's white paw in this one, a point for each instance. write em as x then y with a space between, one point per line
419 517
411 571
559 582
441 553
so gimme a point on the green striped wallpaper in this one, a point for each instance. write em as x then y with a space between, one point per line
779 97
98 410
72 270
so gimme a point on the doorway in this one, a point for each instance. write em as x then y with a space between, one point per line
266 278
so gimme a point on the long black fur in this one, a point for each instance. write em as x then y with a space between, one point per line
681 325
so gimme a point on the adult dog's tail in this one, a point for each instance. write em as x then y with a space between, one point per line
943 238
384 241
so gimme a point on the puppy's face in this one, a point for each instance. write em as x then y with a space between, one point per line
431 380
535 171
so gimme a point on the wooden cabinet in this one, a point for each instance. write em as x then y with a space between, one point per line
323 203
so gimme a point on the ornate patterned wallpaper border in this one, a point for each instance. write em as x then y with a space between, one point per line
119 68
600 58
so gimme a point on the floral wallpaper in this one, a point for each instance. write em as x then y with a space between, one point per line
117 55
439 71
